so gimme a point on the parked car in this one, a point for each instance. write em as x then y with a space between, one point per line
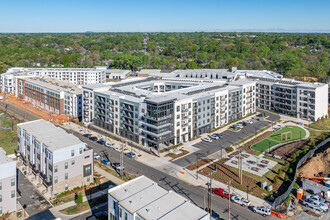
207 139
264 211
219 135
93 138
240 200
117 149
221 192
316 205
106 162
213 136
96 156
249 121
315 198
117 166
109 144
239 125
130 154
101 215
87 135
101 141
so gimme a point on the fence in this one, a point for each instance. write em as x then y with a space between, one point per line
285 195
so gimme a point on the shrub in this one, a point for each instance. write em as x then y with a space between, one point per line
296 186
286 163
229 149
275 180
79 199
286 178
290 170
279 171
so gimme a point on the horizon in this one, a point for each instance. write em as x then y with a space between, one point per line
281 16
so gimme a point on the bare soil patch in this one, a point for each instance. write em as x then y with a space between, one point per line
286 150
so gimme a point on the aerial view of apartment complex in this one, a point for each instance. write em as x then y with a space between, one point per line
143 199
61 160
8 183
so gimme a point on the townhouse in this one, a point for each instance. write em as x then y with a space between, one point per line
158 112
8 184
60 160
142 199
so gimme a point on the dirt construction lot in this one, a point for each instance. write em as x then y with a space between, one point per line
286 150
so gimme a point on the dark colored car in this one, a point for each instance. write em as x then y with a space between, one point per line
101 142
131 154
93 138
87 135
219 135
106 162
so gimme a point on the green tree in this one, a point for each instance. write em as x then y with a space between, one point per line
275 180
79 199
213 64
192 65
178 65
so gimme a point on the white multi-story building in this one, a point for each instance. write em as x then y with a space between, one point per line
157 112
143 199
8 185
62 161
78 76
51 94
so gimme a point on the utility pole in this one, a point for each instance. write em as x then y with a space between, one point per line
241 163
211 194
204 203
229 200
122 160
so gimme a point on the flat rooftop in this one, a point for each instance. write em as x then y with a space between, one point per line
3 157
150 201
53 137
55 84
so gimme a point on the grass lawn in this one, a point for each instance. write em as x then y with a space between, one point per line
85 206
275 138
8 138
323 124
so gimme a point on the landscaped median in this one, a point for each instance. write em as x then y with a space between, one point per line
286 134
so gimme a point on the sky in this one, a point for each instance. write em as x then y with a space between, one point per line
164 15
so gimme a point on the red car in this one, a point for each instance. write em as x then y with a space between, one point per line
221 192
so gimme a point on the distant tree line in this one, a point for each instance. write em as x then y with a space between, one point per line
300 55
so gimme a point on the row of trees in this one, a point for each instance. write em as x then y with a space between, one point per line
290 54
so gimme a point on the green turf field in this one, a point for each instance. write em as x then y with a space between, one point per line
275 138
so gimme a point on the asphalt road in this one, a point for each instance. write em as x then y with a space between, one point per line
30 198
194 193
229 138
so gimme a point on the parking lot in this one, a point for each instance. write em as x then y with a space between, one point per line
229 138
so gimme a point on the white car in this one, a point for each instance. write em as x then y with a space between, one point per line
315 198
96 156
239 126
240 200
207 139
109 144
213 136
264 211
316 205
249 121
118 149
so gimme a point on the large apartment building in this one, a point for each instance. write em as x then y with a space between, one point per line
61 161
51 94
157 112
294 98
78 76
142 199
8 184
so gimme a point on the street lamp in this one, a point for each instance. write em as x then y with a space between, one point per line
247 192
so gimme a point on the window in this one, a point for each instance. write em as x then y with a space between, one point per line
0 198
12 193
125 215
114 204
66 187
0 210
178 108
55 179
72 162
66 165
120 211
55 168
50 167
80 150
72 153
88 178
0 185
12 182
66 176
